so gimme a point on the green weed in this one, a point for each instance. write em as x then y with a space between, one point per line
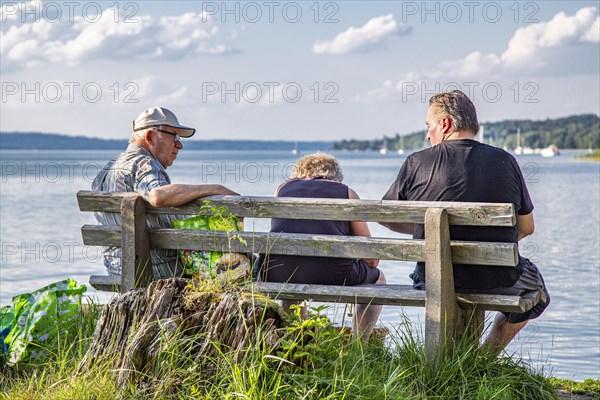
313 360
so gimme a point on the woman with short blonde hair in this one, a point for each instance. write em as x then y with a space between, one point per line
318 165
319 175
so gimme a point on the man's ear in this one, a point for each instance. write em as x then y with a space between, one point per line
148 136
446 125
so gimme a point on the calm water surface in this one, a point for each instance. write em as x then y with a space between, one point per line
41 242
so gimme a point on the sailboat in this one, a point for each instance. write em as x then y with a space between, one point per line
518 150
295 150
550 151
401 148
384 149
521 150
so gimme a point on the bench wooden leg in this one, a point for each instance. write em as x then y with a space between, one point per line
136 266
441 308
470 324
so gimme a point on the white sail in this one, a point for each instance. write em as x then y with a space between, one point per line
401 148
384 150
518 150
295 150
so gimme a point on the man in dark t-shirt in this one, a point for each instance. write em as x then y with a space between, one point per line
458 168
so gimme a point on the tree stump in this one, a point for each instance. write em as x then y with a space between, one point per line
134 327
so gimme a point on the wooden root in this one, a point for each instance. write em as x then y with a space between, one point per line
136 326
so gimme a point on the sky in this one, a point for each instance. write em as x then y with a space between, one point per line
302 70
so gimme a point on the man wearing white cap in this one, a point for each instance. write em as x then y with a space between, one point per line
141 168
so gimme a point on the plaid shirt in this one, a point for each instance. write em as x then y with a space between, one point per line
136 170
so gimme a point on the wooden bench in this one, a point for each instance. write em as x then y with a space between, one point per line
447 314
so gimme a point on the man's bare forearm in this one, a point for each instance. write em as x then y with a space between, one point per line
178 194
525 225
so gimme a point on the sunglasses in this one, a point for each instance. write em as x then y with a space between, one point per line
176 139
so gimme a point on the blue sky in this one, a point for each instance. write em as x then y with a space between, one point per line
291 70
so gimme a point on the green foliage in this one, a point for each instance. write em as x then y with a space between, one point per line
312 361
43 316
211 217
574 132
467 373
311 342
51 375
221 219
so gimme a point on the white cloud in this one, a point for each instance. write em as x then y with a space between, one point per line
153 90
375 32
378 94
179 97
544 48
530 44
593 34
475 64
110 36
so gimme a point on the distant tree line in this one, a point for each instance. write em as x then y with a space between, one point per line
51 141
574 132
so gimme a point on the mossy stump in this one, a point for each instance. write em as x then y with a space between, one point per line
136 326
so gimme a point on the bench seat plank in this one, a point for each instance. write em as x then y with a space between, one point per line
396 295
107 283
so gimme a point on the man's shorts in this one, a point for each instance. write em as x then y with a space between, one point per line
364 273
531 280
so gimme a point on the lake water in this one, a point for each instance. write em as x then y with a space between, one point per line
41 241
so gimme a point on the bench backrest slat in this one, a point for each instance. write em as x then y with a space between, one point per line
482 214
481 253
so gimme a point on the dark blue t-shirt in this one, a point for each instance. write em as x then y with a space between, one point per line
469 171
303 269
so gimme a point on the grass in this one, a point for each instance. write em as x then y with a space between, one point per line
312 361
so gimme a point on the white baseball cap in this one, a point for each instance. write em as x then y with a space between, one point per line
159 116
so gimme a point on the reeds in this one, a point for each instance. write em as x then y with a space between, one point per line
314 360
